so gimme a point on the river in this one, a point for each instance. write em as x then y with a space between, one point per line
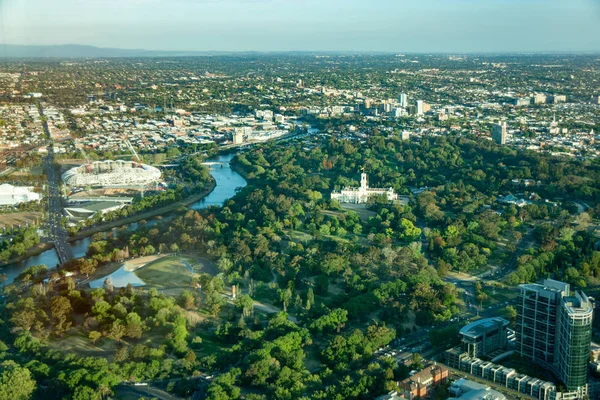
226 180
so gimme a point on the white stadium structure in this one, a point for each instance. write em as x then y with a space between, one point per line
111 174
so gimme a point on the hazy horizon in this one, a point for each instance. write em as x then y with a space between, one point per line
389 26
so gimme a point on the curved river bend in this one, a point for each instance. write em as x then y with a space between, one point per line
226 179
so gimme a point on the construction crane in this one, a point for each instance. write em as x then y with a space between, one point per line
136 158
88 164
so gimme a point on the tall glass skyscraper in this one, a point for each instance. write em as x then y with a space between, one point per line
554 330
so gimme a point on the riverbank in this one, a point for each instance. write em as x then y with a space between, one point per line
42 247
145 215
238 168
34 251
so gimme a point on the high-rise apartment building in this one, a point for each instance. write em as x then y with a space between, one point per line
499 133
403 100
554 330
240 134
422 107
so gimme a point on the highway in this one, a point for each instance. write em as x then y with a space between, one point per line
57 234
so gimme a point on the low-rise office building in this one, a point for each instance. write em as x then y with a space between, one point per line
481 337
418 385
12 195
465 389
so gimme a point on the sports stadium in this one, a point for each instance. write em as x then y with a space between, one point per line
111 174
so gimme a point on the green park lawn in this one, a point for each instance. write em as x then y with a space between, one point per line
168 272
76 341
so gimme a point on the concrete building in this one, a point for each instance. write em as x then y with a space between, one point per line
12 195
240 135
403 100
265 115
597 100
362 194
465 389
539 98
418 385
420 107
521 101
554 331
510 378
393 395
484 336
557 98
398 112
499 133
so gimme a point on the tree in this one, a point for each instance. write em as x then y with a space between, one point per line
61 311
214 303
134 326
332 321
186 299
408 231
16 382
285 296
512 313
246 304
416 361
117 331
85 393
94 336
87 267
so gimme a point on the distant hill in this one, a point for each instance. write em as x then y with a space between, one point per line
78 51
82 51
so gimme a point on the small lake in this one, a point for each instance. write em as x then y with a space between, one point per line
120 278
226 180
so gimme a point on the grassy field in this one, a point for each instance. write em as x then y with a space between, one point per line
207 347
167 272
500 295
361 210
78 342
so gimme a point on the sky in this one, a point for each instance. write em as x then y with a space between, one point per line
307 25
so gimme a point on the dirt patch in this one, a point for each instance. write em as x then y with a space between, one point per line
19 218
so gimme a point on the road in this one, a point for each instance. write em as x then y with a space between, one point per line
57 234
148 392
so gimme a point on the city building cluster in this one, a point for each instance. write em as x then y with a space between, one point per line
553 332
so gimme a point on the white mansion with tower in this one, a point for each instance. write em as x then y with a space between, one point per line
362 194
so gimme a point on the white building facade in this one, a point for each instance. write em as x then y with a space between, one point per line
362 194
12 195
